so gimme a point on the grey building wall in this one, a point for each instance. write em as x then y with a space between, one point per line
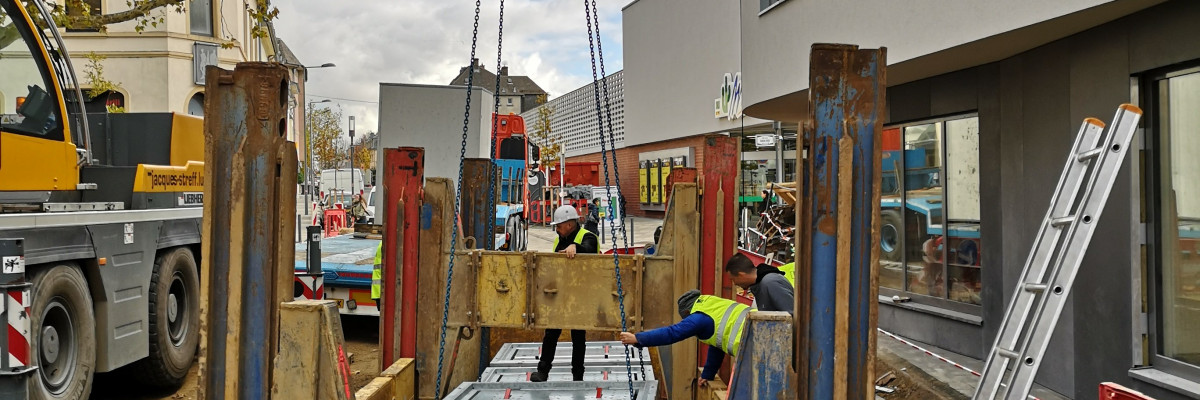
574 117
431 116
677 53
780 39
1030 106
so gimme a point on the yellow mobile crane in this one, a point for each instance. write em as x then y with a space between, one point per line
99 226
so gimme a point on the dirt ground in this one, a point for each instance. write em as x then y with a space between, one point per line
362 338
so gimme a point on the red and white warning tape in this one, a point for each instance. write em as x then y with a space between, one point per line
17 308
910 344
930 353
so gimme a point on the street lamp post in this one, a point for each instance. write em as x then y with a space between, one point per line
308 173
352 156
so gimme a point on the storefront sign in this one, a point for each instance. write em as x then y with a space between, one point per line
729 105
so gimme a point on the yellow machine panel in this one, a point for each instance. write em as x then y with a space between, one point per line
168 179
28 163
187 139
644 181
654 183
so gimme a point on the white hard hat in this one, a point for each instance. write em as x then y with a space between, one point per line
564 214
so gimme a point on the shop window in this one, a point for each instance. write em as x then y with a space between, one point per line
200 14
929 211
1175 223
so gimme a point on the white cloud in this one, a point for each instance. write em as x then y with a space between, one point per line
427 41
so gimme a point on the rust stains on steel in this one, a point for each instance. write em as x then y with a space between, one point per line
248 226
838 215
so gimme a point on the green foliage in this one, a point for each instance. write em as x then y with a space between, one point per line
329 145
544 136
93 71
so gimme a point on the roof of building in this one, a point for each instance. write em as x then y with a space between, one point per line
509 84
285 55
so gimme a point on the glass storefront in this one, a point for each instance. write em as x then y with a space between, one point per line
1177 315
929 210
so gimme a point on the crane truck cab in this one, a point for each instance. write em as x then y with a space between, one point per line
105 210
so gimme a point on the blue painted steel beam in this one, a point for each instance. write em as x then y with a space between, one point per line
836 291
250 190
763 371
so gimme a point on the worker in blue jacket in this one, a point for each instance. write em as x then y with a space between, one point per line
715 321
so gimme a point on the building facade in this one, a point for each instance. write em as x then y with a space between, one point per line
573 116
161 68
516 94
981 112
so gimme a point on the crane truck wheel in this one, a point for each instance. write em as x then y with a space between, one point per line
890 228
174 319
63 339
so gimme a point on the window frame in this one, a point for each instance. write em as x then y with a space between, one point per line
1151 186
97 10
212 19
33 39
943 302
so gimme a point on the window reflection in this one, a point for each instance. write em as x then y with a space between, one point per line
1180 219
929 210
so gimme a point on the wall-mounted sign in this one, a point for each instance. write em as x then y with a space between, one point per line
203 55
764 140
729 105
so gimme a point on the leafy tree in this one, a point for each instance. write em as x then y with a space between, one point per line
544 136
94 72
364 155
328 142
78 14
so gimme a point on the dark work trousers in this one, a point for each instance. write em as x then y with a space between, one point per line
578 350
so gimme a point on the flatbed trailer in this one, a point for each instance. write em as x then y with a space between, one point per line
346 264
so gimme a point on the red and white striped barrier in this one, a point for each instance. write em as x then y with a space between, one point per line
16 309
309 287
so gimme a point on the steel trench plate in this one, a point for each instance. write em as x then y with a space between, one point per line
591 373
597 353
553 390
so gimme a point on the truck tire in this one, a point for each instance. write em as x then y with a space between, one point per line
63 338
174 319
891 227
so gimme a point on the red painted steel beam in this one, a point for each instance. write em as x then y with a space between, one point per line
719 174
403 185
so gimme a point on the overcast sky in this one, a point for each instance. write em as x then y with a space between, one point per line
427 41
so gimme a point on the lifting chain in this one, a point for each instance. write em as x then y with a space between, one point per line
492 155
462 155
593 25
612 148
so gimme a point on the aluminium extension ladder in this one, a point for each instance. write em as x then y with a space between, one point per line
1083 188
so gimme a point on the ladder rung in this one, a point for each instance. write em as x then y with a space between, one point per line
1007 353
1035 287
1090 154
1062 221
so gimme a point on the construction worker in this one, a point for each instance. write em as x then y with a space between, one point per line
714 321
772 290
377 274
789 272
572 239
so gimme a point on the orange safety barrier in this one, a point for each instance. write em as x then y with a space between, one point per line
335 220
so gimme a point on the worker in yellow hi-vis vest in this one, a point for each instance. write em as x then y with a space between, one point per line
377 274
715 321
572 239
